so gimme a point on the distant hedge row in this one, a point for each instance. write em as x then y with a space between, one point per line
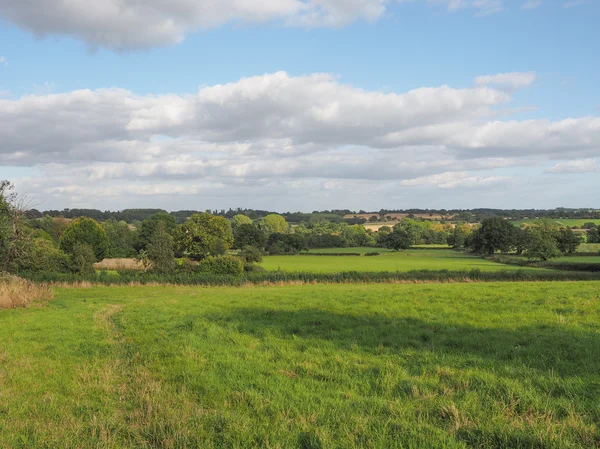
275 277
553 265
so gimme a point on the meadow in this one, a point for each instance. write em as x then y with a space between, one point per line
562 221
404 261
327 366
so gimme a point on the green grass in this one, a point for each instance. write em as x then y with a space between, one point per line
404 261
589 248
513 365
565 222
577 259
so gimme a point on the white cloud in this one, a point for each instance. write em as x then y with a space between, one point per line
130 24
3 61
574 3
514 80
134 24
531 4
267 136
576 166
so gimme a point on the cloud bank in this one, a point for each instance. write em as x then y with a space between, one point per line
272 135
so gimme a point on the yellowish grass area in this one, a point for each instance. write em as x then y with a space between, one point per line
118 264
17 292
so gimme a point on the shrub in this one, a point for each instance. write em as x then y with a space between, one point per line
160 250
222 265
372 254
250 267
251 254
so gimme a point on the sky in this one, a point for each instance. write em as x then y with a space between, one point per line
301 105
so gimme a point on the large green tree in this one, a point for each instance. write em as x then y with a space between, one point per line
495 234
240 219
249 235
541 243
398 239
149 225
160 250
204 235
274 224
85 231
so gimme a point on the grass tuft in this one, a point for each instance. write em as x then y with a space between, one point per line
16 292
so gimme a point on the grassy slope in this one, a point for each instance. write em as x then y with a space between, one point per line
564 222
387 261
385 366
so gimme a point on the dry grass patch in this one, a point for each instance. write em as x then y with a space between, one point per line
17 292
118 264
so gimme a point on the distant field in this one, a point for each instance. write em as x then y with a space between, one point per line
387 261
589 248
566 222
353 366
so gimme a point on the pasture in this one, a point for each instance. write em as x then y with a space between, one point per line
404 261
562 221
328 366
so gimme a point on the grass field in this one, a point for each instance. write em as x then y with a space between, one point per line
386 261
353 366
565 222
589 248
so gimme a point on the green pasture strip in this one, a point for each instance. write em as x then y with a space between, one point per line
499 365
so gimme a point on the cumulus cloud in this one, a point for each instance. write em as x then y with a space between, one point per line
130 24
280 133
134 24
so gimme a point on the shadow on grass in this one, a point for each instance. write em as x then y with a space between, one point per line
549 348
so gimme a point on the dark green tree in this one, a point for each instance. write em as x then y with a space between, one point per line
249 235
160 250
567 241
495 234
148 228
541 243
398 239
204 235
83 258
85 231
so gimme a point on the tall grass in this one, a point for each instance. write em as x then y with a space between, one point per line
17 292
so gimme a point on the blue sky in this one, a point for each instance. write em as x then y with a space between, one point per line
115 107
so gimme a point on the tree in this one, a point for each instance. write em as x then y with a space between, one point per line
160 250
239 220
204 235
83 258
149 225
567 241
541 243
495 234
458 237
398 239
274 224
121 239
85 231
248 235
593 235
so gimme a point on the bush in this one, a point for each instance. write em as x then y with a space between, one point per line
251 254
250 267
372 254
222 265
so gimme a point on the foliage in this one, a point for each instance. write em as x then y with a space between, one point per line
567 241
541 243
204 235
593 235
82 259
398 239
274 224
248 235
160 250
222 265
85 231
495 234
286 244
44 255
251 254
121 239
149 225
239 220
